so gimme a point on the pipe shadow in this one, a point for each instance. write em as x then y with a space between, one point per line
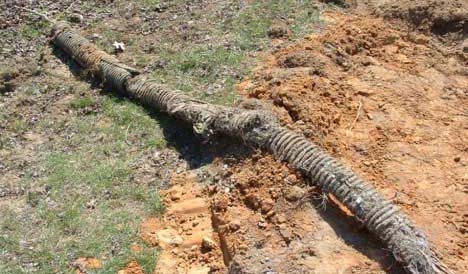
178 134
196 151
354 234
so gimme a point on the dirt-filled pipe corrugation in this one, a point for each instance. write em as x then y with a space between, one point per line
259 128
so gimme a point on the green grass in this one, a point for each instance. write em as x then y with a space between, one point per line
86 202
199 67
70 214
19 126
82 102
251 26
34 28
148 3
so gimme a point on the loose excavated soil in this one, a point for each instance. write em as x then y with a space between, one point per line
185 233
391 105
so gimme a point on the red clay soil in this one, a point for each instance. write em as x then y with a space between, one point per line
393 106
185 233
132 268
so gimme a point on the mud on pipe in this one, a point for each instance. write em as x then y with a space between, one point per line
260 128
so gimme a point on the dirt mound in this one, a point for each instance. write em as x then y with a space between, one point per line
438 17
389 103
441 17
270 221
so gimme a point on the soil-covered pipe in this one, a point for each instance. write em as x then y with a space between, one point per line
260 128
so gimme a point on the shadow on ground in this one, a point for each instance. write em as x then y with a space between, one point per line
179 135
355 235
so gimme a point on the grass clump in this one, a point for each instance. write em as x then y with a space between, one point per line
253 23
34 30
82 102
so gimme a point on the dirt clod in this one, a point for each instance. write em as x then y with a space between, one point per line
208 244
279 30
294 193
132 268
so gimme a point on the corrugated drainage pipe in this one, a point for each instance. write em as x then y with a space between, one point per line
259 128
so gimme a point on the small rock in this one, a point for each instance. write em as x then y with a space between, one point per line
279 30
234 225
291 179
366 92
76 18
421 39
107 194
464 46
252 201
262 225
270 214
175 196
294 193
457 159
390 39
280 219
221 203
286 233
208 244
267 204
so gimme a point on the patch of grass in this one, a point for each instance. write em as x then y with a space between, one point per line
154 204
82 102
108 36
30 32
200 68
148 3
34 30
257 19
105 233
210 70
19 126
4 142
85 204
85 169
146 258
133 122
205 61
9 239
